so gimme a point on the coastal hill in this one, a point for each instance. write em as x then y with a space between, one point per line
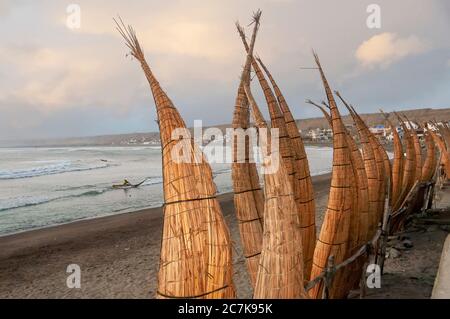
152 138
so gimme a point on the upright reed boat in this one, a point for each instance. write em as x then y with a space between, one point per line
196 260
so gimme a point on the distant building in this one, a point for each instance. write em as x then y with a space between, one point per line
378 130
319 134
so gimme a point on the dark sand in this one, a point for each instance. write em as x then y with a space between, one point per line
119 256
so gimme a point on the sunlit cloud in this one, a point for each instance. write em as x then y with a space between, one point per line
386 48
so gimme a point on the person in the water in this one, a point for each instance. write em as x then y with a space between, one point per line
126 183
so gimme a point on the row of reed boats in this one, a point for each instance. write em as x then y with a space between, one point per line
277 220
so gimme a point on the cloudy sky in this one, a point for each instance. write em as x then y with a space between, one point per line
57 81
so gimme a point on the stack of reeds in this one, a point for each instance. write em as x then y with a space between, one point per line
443 146
248 195
417 151
370 165
409 171
294 161
305 201
397 165
280 272
359 223
430 163
196 259
334 235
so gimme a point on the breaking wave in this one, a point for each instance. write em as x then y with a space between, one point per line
50 169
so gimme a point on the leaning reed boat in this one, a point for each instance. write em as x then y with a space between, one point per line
417 151
334 234
370 167
359 224
196 260
248 194
445 158
381 169
361 190
409 167
280 272
294 161
429 165
305 202
445 137
397 165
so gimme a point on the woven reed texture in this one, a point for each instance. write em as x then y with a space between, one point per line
429 165
280 272
409 167
445 133
383 169
445 136
361 183
334 234
381 174
418 154
359 224
304 194
370 165
196 260
397 165
445 159
387 171
248 194
305 202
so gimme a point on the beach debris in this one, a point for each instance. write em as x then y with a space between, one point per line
407 243
196 258
391 252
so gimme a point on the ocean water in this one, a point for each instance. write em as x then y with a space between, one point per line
41 187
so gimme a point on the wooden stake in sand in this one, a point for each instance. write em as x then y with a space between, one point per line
196 260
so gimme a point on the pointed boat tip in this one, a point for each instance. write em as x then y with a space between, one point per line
316 57
256 17
239 28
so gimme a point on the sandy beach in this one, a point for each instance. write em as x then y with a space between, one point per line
119 256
